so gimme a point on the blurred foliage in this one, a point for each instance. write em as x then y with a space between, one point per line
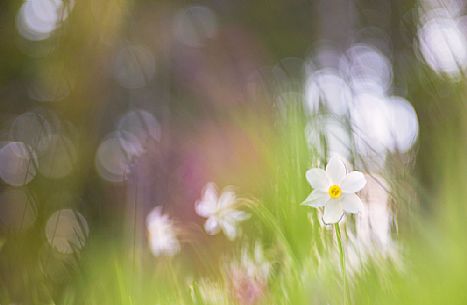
218 122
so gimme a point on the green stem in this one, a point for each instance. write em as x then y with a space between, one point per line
342 259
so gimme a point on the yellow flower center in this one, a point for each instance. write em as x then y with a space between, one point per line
335 191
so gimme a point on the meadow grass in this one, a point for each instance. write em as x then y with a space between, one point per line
429 268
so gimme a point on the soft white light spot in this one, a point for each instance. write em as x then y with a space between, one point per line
134 67
452 7
367 68
370 124
327 88
29 128
57 156
115 154
66 231
381 124
326 132
142 124
403 124
443 46
37 19
194 25
17 164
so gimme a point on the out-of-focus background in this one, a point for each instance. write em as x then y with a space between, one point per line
109 109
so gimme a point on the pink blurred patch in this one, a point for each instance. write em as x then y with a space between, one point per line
247 289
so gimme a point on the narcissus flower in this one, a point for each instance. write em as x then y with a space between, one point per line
162 237
335 189
220 211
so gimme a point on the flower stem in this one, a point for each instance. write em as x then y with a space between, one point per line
342 259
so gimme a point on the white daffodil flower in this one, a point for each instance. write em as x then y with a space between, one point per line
220 211
256 266
335 189
162 237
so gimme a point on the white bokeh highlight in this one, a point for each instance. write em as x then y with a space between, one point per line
18 164
66 231
443 46
134 66
194 25
38 19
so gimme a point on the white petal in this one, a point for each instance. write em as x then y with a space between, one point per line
318 179
154 216
353 182
208 203
205 208
351 203
316 199
212 226
226 199
332 212
165 246
336 170
238 216
210 192
229 229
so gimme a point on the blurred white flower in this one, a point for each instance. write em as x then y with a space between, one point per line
220 211
162 237
256 266
249 278
335 189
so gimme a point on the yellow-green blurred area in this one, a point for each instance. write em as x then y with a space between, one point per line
118 117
